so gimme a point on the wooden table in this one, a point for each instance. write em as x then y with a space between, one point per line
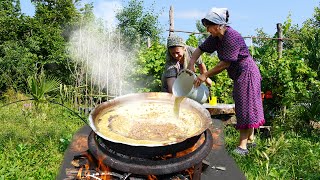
224 112
219 109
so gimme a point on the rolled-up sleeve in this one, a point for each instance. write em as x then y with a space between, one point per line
170 71
209 45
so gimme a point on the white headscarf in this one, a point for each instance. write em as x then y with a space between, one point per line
217 16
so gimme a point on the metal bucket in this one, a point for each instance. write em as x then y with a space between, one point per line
183 86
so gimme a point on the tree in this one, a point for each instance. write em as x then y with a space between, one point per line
201 29
147 76
10 12
310 37
138 24
28 44
16 60
290 78
49 32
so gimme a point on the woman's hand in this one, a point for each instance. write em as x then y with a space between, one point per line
209 82
201 78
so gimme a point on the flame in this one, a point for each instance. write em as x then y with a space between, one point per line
96 167
101 171
193 148
79 173
102 167
190 172
152 177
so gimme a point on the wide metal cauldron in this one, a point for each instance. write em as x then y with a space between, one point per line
129 146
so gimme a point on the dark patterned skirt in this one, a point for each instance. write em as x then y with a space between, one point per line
248 101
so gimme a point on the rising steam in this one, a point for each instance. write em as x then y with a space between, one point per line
100 60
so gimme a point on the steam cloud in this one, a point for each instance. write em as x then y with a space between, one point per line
101 60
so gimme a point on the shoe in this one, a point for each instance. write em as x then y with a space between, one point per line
241 151
251 145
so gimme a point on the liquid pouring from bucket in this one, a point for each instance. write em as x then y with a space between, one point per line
183 86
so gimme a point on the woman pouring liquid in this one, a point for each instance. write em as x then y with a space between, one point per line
235 58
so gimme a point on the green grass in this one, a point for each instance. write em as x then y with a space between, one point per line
287 155
32 143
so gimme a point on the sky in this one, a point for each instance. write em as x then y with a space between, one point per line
246 16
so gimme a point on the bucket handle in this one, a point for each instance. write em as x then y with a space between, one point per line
191 73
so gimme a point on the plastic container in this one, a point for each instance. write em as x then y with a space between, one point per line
213 100
183 86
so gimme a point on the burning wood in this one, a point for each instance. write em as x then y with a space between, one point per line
94 163
88 174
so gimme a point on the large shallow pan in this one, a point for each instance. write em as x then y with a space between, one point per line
202 122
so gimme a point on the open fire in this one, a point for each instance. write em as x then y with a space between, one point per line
87 167
100 162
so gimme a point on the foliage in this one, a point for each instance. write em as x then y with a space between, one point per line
302 117
311 109
10 13
58 12
16 60
138 24
290 78
28 44
11 96
149 68
310 37
39 86
50 24
16 64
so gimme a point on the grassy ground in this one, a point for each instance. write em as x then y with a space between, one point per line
32 145
287 155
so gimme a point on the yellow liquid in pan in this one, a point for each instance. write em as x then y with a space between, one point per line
149 122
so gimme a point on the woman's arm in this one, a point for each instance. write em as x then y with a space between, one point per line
203 69
222 65
170 82
195 55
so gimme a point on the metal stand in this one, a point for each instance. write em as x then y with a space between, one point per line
197 171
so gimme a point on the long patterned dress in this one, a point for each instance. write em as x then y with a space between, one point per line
245 75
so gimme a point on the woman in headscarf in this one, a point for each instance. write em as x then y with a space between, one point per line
235 58
177 58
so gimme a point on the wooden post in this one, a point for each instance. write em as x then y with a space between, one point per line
280 42
280 46
171 19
